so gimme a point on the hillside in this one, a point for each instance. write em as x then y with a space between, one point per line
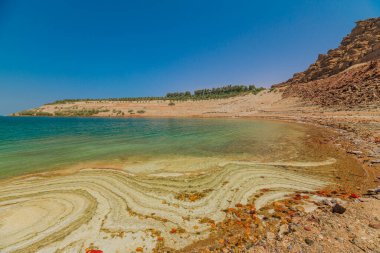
356 87
348 76
361 45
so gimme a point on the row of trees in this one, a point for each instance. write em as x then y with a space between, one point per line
214 93
220 92
229 89
186 94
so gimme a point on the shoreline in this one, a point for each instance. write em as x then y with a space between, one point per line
361 208
353 206
347 139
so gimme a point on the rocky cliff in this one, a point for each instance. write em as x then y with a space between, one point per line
346 76
358 86
361 45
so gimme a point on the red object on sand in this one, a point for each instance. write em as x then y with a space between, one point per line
94 251
354 196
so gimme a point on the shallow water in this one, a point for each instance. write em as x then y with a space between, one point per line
30 144
125 178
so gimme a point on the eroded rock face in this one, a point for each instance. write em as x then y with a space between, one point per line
352 88
348 76
361 45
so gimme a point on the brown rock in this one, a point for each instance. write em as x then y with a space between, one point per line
307 228
375 225
347 76
309 241
338 209
361 45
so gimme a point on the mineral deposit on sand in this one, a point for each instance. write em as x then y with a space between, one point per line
120 210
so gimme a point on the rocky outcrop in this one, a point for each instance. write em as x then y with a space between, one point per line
361 45
348 76
352 88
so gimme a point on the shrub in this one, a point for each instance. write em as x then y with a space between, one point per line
27 113
119 112
79 113
44 114
140 111
171 103
59 114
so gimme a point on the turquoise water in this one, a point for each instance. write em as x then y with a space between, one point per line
34 144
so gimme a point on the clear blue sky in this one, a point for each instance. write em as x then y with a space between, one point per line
76 49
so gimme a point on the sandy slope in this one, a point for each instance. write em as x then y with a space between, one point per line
234 106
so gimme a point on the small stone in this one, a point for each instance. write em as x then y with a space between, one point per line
338 209
327 202
375 225
307 228
283 230
375 161
249 245
309 241
355 152
373 191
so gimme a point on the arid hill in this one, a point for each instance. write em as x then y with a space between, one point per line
347 76
361 45
353 88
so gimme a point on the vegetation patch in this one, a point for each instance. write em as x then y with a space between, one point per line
78 113
118 112
34 113
27 113
215 93
44 114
